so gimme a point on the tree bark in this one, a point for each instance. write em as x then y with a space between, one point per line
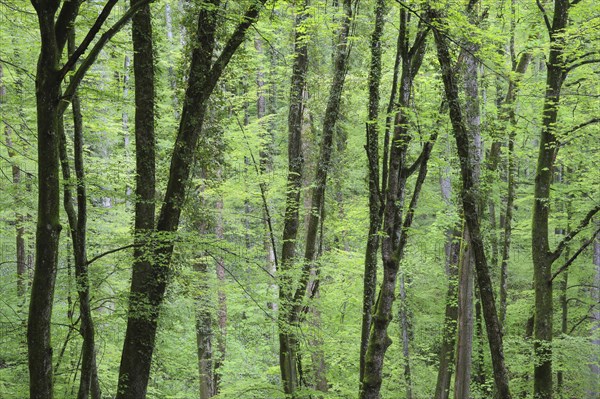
149 285
540 247
394 225
470 200
287 339
135 360
375 205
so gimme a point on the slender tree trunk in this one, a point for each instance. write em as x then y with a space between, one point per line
470 200
405 332
222 303
594 390
375 205
395 226
464 346
287 339
204 330
453 254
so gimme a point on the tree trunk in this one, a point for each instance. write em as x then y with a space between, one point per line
135 360
150 284
396 229
453 255
464 347
287 339
405 332
48 222
542 257
594 390
470 200
375 205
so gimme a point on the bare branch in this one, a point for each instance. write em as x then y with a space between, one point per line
104 14
112 251
572 259
94 52
546 20
581 63
584 222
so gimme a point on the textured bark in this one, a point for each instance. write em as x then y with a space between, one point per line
136 355
540 247
318 194
204 331
54 31
394 225
464 345
150 285
222 303
469 201
405 332
375 205
452 250
48 223
287 340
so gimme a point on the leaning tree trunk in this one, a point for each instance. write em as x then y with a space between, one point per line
469 201
287 340
319 184
149 286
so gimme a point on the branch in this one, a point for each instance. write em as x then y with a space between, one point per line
572 259
586 220
112 251
234 42
94 52
27 73
581 63
65 22
104 14
546 20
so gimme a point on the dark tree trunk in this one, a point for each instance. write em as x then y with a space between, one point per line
375 203
48 223
149 285
469 201
287 340
77 217
395 226
540 247
137 348
453 253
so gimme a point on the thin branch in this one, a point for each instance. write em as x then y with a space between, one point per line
572 259
29 74
565 241
581 63
584 124
94 52
546 20
89 37
112 251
